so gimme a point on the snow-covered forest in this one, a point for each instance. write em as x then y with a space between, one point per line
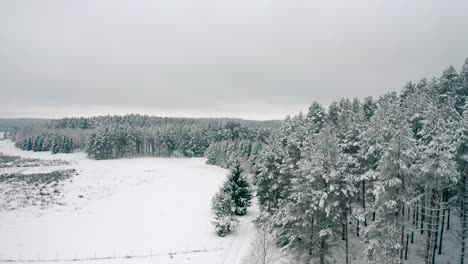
389 174
384 176
110 137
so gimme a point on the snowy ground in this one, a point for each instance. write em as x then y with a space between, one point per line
139 211
145 207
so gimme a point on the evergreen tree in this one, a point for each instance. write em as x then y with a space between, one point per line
393 187
237 186
270 184
461 159
55 145
224 208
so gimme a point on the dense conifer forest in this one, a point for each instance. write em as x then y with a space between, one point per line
386 172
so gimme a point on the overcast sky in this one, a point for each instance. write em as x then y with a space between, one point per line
256 59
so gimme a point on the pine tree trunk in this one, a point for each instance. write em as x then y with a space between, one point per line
406 247
417 221
427 256
464 218
449 193
357 228
423 216
448 217
412 226
442 230
343 234
432 224
322 251
429 219
436 228
402 237
311 245
364 201
346 241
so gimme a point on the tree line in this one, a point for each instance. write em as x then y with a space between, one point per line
53 142
111 137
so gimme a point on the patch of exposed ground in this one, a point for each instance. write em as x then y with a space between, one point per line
7 161
42 189
18 190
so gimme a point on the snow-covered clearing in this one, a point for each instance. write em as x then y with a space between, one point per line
145 207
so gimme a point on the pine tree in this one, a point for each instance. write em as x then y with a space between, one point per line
269 178
316 117
461 159
393 187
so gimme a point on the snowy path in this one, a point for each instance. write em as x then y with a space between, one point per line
125 207
242 238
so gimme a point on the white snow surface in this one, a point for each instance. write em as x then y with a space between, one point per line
140 207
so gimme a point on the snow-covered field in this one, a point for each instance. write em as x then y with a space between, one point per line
145 208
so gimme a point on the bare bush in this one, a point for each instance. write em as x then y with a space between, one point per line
263 248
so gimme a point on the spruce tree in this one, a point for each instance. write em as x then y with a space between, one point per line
55 145
238 187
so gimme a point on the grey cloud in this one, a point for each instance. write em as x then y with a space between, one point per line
208 57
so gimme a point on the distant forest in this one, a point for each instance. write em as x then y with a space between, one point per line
111 137
11 125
